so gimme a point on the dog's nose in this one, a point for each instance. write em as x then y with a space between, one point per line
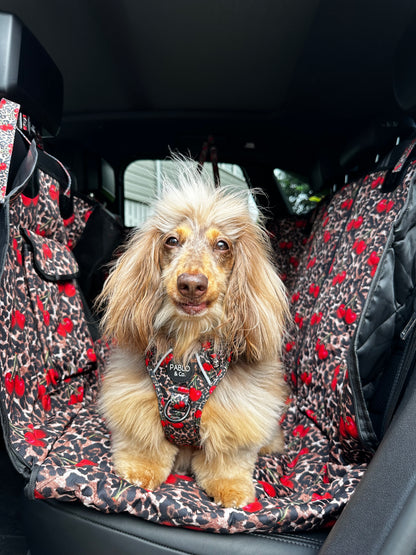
192 285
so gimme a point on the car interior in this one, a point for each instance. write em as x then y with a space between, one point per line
312 102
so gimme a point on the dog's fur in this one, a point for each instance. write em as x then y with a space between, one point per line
243 307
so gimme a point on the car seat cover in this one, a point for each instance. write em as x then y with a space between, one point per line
51 369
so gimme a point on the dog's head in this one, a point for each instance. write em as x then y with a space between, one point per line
198 269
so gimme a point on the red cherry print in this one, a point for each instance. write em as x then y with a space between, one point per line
346 205
311 415
177 425
39 303
52 376
53 192
316 318
194 394
358 222
381 206
289 346
26 200
350 316
286 481
85 462
341 311
198 413
167 359
373 259
322 352
182 389
295 297
311 263
68 324
207 367
73 399
19 385
80 395
212 389
293 378
61 330
69 221
19 319
41 391
299 320
378 181
9 382
46 317
306 378
268 488
91 355
389 206
253 507
46 403
300 431
34 437
359 247
317 496
69 289
47 253
327 236
351 427
294 261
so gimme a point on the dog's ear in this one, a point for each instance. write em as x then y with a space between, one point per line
130 294
256 302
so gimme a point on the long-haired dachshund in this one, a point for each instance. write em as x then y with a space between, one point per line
197 313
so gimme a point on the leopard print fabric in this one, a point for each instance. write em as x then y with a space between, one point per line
51 368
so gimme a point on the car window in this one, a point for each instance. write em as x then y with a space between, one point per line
143 181
296 192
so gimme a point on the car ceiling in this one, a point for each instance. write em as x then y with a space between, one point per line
294 77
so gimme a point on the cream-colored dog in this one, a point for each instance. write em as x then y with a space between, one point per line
197 313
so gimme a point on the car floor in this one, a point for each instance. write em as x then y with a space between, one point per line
12 538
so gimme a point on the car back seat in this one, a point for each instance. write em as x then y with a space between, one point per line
351 296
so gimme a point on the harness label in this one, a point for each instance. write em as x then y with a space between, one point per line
179 373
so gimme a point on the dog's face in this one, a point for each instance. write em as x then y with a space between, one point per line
199 269
196 265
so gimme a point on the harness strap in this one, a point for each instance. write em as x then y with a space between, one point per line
209 144
182 391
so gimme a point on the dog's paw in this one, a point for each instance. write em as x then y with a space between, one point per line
145 474
231 493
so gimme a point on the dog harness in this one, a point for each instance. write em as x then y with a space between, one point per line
182 391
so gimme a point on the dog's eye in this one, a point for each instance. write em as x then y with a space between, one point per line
172 242
222 245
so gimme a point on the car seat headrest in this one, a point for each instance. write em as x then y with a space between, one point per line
375 139
404 70
28 75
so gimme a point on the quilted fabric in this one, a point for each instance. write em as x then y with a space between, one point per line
51 369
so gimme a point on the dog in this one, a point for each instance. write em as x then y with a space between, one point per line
197 313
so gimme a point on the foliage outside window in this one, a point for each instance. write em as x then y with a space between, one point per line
296 192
